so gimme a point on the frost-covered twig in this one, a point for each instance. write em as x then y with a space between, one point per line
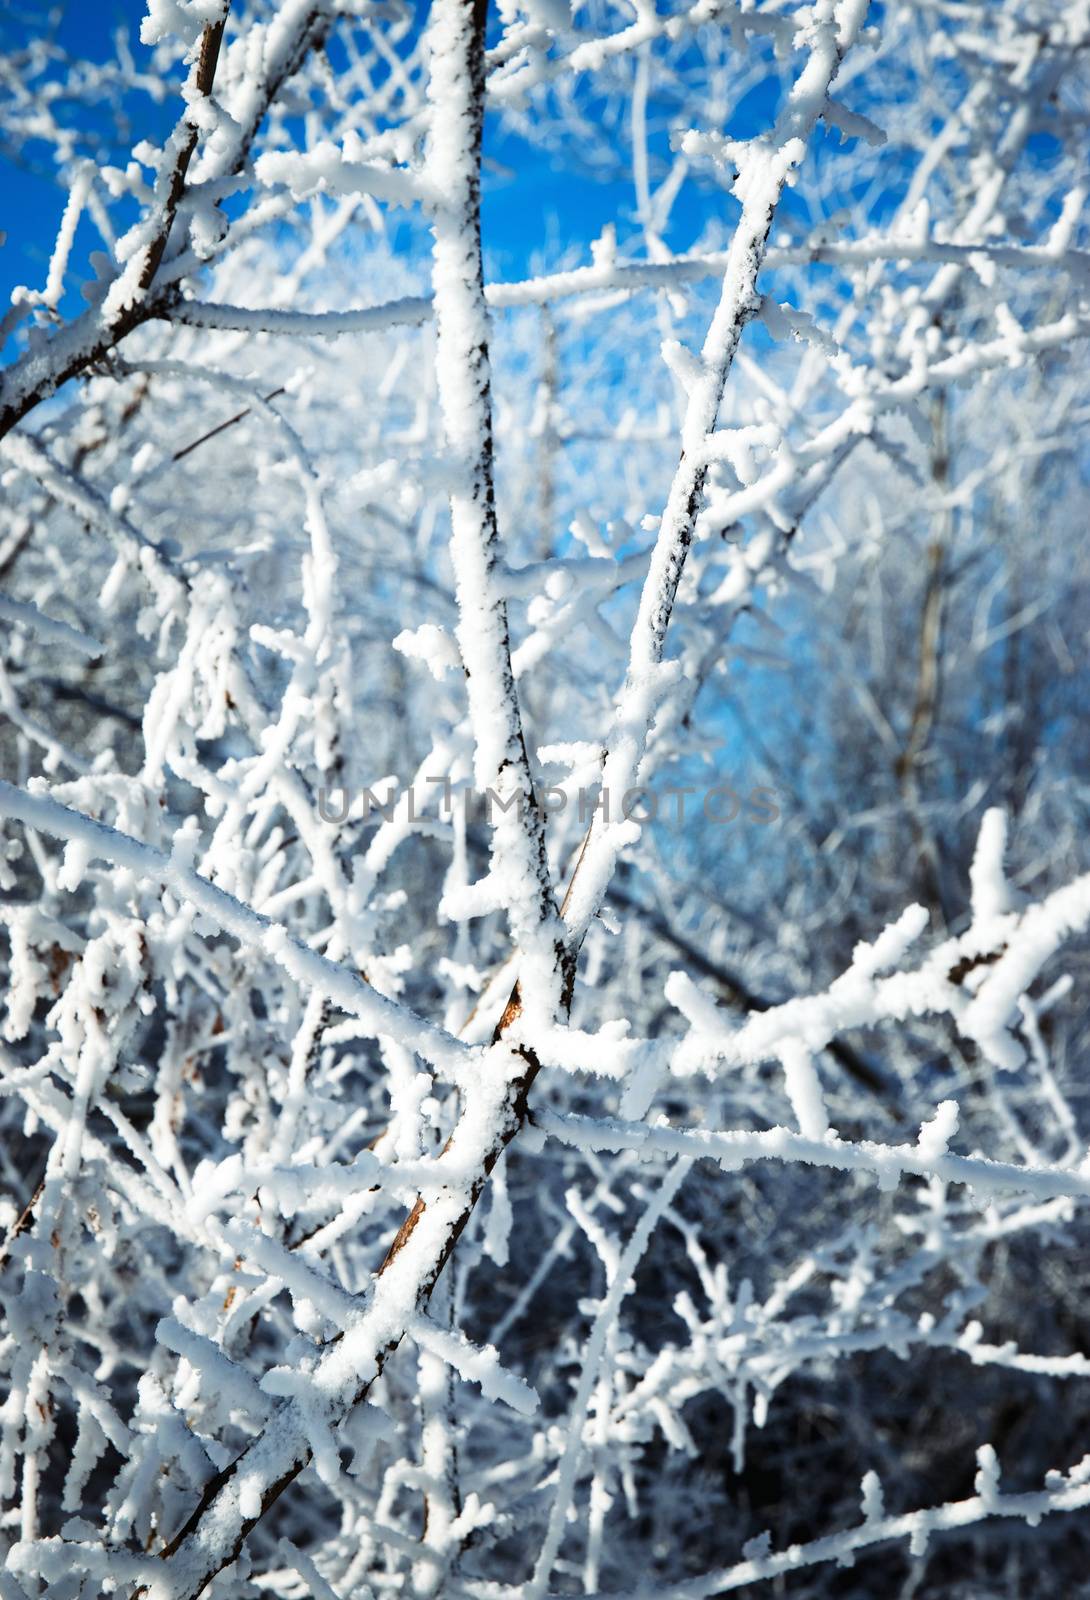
520 878
1066 1493
764 167
90 840
298 28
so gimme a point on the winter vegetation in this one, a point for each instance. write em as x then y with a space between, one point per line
544 873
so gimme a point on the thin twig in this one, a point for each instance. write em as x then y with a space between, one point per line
221 426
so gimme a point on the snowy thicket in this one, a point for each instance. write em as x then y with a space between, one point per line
543 874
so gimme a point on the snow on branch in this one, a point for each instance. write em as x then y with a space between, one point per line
519 863
90 840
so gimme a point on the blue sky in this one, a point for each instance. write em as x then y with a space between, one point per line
515 233
32 196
